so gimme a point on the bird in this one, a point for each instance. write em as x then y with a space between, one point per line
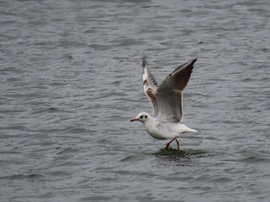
167 103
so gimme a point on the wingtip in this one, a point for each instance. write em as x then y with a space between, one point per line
194 60
143 61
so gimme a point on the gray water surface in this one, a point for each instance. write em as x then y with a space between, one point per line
70 76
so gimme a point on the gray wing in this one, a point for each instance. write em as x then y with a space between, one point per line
150 86
169 94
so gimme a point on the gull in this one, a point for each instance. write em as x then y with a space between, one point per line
167 103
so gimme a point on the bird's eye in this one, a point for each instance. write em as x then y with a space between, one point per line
141 117
145 117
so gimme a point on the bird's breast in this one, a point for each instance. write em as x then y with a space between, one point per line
156 132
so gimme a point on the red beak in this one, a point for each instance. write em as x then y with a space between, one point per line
134 119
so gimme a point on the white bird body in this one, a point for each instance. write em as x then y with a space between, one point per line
165 130
166 100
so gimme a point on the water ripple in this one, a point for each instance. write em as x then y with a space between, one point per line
71 80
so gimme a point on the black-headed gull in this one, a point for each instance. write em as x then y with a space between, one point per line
166 100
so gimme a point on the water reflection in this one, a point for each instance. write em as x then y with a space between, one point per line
180 157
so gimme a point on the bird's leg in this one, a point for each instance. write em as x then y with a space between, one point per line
178 145
168 144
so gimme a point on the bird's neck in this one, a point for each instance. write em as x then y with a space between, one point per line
150 122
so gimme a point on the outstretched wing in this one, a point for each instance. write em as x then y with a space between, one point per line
150 86
169 95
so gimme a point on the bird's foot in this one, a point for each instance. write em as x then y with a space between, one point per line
178 144
168 144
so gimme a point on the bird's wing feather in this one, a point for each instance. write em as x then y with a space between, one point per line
150 86
169 94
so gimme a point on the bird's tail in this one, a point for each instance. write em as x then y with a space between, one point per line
188 130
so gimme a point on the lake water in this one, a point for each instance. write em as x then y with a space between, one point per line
70 76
